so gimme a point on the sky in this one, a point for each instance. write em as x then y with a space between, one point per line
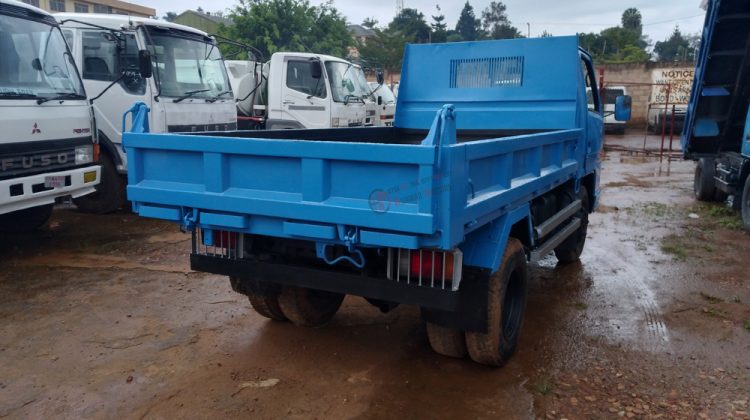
558 17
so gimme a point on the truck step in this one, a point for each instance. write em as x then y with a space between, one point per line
553 242
550 224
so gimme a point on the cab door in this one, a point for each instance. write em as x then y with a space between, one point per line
594 120
304 96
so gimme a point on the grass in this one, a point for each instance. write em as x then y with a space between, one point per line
543 387
747 325
710 298
672 245
581 306
714 215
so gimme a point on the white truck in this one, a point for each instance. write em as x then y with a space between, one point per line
189 89
300 90
47 151
611 125
386 101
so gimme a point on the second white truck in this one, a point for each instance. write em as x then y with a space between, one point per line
189 89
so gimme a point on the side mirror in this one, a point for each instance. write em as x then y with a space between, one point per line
380 100
316 70
381 77
144 63
623 106
36 64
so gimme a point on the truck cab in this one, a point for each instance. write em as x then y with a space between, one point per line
300 90
47 149
386 101
189 90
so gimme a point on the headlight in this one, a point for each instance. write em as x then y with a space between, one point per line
84 154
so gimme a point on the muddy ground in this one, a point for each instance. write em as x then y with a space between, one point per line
101 317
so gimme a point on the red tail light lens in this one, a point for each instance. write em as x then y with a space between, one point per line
428 264
225 239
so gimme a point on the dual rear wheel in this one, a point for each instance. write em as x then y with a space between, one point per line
506 303
300 306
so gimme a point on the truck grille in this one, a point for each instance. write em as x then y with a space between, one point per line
30 158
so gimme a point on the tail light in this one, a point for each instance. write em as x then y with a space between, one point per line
225 239
426 267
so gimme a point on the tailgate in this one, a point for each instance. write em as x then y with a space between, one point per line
286 188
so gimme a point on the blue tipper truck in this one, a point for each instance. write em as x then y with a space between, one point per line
717 127
493 161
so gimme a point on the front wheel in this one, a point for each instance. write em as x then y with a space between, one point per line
506 303
746 204
110 192
25 220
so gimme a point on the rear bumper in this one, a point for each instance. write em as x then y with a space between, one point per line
19 193
465 308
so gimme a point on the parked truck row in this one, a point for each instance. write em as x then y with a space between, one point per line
492 162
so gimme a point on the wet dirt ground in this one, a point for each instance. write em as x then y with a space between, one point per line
100 317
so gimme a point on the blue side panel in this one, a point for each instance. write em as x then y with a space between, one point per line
506 84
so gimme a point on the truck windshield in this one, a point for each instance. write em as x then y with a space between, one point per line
345 82
35 62
611 94
189 68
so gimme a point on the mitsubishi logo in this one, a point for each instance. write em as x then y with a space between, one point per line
36 129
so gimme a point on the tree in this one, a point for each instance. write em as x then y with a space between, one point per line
370 23
385 49
291 25
439 27
496 24
170 16
545 34
411 23
468 26
632 20
675 48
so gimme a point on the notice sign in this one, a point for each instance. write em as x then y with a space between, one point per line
681 80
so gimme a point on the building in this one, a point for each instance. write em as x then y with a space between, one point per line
204 21
360 33
93 6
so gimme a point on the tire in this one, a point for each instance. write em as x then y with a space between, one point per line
703 180
25 220
110 193
267 306
746 205
309 307
446 341
506 303
571 249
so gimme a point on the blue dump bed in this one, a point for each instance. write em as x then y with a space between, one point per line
481 130
718 105
492 162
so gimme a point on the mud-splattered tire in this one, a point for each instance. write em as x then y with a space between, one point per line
506 303
25 220
446 341
703 180
110 192
267 306
308 307
570 250
746 204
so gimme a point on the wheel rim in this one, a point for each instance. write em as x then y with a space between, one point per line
512 305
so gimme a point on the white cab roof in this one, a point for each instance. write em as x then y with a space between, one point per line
25 6
114 21
323 57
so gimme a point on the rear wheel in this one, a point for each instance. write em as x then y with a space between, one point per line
446 341
25 220
267 306
110 193
309 307
746 204
570 250
506 303
703 180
